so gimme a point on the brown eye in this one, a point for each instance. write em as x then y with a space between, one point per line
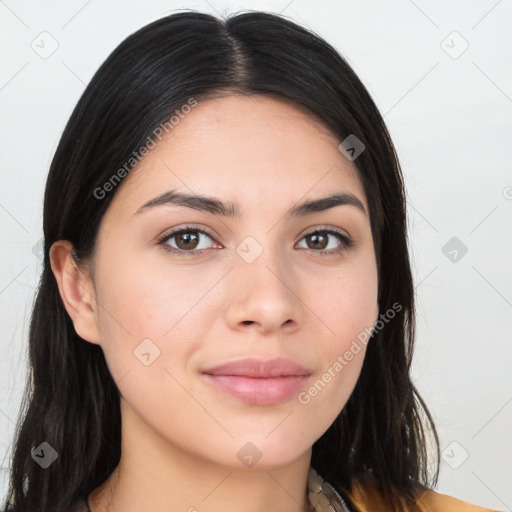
188 241
320 241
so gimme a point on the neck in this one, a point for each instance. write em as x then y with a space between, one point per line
154 475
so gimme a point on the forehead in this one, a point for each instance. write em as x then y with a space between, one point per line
253 150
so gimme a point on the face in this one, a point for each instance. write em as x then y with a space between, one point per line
256 283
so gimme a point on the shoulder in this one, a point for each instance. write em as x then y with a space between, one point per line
437 502
367 497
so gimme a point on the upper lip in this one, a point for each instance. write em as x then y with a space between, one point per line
257 368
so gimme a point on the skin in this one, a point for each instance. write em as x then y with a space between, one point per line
180 435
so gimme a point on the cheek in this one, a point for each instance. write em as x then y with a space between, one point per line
347 310
138 301
346 304
148 315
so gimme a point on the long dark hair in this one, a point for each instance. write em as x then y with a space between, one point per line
71 401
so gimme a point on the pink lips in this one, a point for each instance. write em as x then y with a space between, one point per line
259 382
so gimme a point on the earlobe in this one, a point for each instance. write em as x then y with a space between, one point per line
76 291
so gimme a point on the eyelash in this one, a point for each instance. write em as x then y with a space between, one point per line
346 242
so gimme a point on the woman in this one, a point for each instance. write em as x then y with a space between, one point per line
225 319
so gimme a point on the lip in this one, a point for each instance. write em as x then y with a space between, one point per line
259 382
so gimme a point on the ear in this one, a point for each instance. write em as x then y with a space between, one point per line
76 290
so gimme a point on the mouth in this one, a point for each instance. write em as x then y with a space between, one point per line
258 390
259 382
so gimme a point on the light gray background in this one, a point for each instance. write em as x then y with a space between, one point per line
449 112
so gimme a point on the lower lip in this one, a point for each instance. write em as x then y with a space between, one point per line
259 391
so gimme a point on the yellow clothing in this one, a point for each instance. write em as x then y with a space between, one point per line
366 496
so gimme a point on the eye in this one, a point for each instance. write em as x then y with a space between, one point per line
187 240
319 239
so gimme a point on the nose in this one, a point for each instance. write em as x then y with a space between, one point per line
263 296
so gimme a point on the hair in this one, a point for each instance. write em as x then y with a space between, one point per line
71 400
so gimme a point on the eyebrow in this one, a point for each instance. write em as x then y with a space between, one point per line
228 209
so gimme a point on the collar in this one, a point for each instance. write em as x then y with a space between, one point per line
323 497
